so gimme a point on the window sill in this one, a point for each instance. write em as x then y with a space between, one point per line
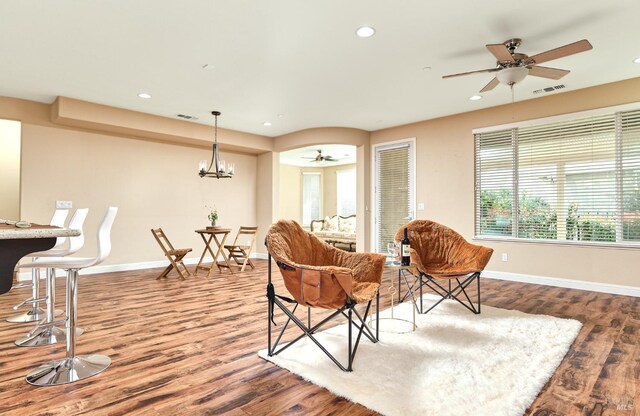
567 243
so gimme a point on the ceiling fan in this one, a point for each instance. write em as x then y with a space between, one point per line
512 67
321 158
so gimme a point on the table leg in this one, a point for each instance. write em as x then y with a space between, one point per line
399 300
378 315
221 251
207 247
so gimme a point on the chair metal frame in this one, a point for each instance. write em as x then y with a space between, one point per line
240 252
348 310
447 291
174 255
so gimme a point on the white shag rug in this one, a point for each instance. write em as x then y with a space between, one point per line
455 363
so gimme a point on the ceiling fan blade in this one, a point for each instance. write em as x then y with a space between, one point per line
491 85
566 50
501 52
471 72
546 72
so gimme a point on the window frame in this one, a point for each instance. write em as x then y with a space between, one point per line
619 244
320 197
338 199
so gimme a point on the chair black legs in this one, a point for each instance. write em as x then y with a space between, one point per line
454 288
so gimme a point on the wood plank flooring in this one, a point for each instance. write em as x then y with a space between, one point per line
189 348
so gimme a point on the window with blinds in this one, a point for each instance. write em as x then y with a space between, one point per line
575 180
393 191
311 197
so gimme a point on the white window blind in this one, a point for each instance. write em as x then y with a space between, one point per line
393 199
573 180
311 197
630 181
346 192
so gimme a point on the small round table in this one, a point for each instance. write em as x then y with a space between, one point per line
401 276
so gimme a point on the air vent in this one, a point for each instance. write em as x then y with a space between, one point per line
549 89
187 117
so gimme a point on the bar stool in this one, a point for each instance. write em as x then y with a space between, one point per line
74 367
36 313
46 332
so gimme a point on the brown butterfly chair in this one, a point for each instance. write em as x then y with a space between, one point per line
444 262
318 275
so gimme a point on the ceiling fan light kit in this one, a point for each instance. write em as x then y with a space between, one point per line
512 75
511 67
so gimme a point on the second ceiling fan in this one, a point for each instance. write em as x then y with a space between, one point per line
512 67
322 158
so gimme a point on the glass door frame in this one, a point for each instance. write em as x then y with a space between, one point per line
375 148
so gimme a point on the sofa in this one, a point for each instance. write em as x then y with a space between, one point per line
336 230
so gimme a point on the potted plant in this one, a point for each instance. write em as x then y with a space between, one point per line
213 215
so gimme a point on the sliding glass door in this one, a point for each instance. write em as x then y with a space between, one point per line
394 190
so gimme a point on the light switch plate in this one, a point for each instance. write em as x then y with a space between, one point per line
420 206
64 204
505 257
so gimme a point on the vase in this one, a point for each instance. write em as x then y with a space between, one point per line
213 223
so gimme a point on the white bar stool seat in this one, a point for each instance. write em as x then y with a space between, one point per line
46 332
74 367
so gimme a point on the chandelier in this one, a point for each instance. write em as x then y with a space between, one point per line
220 170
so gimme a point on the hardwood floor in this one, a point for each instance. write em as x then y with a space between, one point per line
189 347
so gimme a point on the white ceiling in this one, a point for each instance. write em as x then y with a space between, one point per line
300 58
344 154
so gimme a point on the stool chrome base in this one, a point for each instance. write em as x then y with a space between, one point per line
29 316
45 336
68 370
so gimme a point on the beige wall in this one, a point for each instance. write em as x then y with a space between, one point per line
290 193
445 183
153 184
10 169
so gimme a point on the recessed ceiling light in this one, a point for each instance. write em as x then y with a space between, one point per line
144 95
267 124
426 68
475 97
365 32
636 61
280 115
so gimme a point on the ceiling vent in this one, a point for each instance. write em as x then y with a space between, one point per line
549 89
187 117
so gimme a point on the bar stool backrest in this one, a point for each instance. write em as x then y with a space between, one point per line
57 220
104 234
76 223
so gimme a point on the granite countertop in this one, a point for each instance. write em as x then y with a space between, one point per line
11 232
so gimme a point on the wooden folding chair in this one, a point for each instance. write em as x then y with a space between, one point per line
240 252
175 256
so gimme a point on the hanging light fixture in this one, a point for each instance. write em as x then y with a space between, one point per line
220 170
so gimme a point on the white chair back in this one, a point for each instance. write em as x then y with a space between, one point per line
76 223
104 235
59 216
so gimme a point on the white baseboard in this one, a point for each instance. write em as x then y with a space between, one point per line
26 275
566 283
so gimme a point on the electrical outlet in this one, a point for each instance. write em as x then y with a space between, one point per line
421 206
64 204
505 257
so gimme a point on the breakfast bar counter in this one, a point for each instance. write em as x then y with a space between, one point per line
16 243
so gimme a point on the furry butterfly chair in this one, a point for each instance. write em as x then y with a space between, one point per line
444 262
318 275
